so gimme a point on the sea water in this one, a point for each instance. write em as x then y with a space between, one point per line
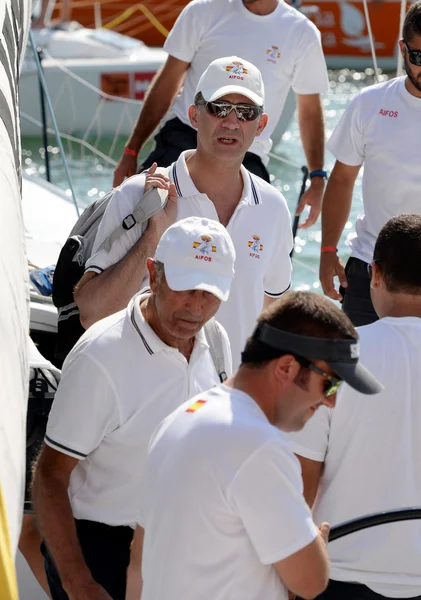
92 176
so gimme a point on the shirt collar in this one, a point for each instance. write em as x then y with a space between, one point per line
184 185
150 340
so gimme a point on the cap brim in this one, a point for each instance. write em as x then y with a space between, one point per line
211 95
358 377
218 285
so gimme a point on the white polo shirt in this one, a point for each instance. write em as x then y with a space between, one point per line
223 503
118 383
284 45
260 229
371 449
382 129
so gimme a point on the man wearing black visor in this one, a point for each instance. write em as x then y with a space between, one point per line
237 525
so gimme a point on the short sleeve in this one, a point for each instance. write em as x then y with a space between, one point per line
313 440
347 140
310 72
277 278
120 206
184 38
85 407
267 493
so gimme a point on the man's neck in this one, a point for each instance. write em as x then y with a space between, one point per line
402 305
221 181
255 384
261 7
150 314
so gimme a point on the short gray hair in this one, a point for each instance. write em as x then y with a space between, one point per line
159 267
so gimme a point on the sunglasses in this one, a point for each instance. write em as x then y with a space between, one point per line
330 384
414 55
221 110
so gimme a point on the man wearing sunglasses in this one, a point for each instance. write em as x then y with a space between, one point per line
224 514
381 130
363 457
279 40
228 114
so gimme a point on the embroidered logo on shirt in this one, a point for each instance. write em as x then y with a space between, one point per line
205 247
236 70
388 113
255 247
196 405
273 54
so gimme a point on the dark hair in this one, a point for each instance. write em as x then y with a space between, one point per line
412 23
302 313
398 254
198 99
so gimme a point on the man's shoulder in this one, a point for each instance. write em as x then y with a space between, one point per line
375 92
201 7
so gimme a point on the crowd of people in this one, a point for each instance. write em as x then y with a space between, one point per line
193 449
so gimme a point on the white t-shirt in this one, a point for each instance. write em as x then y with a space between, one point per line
382 129
223 502
262 265
118 383
371 449
284 45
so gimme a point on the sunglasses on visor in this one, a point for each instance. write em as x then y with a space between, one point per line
221 109
413 55
330 384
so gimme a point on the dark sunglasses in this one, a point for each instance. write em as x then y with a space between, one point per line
414 55
221 110
330 384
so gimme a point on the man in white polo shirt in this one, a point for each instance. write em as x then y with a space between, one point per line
211 182
279 40
382 130
122 378
363 457
223 510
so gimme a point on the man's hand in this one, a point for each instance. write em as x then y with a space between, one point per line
324 530
331 266
165 217
313 198
126 167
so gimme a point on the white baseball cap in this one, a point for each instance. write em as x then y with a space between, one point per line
231 75
198 254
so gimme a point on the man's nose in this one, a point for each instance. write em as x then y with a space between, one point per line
195 303
231 121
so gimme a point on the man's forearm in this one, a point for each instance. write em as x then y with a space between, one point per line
335 210
59 532
311 124
111 291
158 100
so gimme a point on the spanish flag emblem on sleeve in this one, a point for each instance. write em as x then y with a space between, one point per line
196 405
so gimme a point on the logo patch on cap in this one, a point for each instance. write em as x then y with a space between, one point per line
236 70
355 350
205 247
255 246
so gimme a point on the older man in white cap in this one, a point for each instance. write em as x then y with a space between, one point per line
125 375
211 182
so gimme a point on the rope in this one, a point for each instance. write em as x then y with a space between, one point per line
285 160
399 68
370 35
128 13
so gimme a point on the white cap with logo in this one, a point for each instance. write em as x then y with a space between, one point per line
198 254
231 75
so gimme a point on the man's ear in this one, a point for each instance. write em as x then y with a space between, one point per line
194 115
263 121
376 276
286 368
153 276
402 48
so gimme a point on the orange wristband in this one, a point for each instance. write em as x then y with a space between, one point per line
130 152
328 249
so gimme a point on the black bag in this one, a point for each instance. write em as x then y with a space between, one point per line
70 266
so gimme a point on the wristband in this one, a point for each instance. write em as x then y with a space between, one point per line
130 152
328 249
318 173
